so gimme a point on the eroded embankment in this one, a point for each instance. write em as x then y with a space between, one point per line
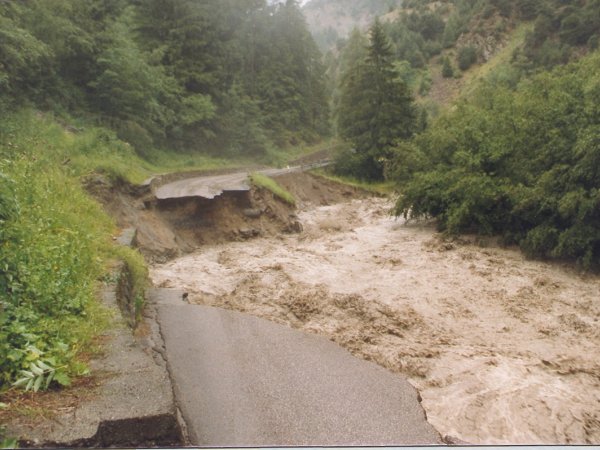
502 349
172 227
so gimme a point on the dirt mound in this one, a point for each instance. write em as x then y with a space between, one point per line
172 227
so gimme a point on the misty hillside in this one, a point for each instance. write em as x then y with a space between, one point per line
329 20
440 47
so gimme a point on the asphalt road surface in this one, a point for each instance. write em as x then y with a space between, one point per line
244 381
212 186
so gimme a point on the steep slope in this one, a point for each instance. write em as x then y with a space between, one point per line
443 48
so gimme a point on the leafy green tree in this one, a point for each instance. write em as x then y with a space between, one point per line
283 72
22 56
243 121
352 55
244 58
376 108
128 89
521 163
452 30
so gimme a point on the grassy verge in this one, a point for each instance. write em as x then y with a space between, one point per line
55 247
138 273
95 149
380 188
263 181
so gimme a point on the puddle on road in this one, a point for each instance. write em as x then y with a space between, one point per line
503 350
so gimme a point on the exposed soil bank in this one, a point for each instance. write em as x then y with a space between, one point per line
169 228
502 349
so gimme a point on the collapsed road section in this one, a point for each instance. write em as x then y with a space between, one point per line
242 381
245 381
213 186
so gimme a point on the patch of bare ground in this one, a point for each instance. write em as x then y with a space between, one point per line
502 349
28 409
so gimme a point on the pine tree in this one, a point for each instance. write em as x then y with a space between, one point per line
352 55
447 70
376 109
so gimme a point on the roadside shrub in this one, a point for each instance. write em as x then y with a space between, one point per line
49 264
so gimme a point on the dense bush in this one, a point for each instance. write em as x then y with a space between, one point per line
467 56
524 163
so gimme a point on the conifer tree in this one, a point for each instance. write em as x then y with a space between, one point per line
353 53
376 109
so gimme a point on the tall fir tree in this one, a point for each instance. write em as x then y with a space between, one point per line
376 108
352 54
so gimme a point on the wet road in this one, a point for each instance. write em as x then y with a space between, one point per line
244 381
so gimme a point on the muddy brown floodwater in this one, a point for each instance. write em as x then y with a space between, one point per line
502 349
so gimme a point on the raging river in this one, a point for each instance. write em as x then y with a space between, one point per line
503 350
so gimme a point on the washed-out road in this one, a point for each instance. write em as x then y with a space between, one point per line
212 186
244 381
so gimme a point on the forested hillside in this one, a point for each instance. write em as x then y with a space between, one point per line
229 77
516 154
467 32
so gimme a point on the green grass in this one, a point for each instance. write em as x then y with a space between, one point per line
97 150
138 272
265 182
5 441
55 244
379 188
